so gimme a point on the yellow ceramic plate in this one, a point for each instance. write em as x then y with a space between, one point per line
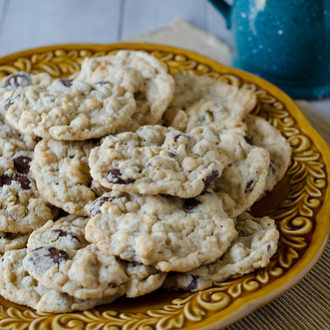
298 204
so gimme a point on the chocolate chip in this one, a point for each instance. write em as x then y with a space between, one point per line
249 186
272 168
23 180
193 284
16 80
57 255
95 208
176 137
268 248
8 104
66 82
265 193
114 172
171 154
190 203
39 248
114 176
209 180
22 164
63 233
104 199
248 139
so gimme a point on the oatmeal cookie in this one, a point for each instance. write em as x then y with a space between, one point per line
67 109
10 241
158 160
12 83
189 89
264 135
62 174
142 279
170 233
60 258
21 207
200 113
10 134
19 287
252 249
139 73
243 181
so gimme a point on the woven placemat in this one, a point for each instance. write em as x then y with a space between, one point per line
305 306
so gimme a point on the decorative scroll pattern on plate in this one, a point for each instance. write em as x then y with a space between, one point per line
295 215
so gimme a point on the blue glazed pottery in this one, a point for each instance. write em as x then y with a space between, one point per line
286 42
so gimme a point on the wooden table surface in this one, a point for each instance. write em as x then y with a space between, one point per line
33 23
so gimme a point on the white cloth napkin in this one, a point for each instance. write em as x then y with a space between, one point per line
184 35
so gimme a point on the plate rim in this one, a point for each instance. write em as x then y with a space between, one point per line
314 251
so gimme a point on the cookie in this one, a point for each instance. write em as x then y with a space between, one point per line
67 109
62 174
200 113
158 160
139 73
252 249
11 83
7 132
263 134
19 287
170 233
10 134
238 102
243 181
60 258
21 207
10 241
142 279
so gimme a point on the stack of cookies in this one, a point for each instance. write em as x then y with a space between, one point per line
124 179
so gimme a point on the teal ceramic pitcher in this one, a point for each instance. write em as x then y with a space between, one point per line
285 41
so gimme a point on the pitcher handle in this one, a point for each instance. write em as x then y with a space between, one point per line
224 9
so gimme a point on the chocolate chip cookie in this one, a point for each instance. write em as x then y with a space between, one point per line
10 241
252 249
62 174
264 135
190 88
19 287
66 109
243 181
169 233
200 113
21 207
139 73
60 258
158 160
